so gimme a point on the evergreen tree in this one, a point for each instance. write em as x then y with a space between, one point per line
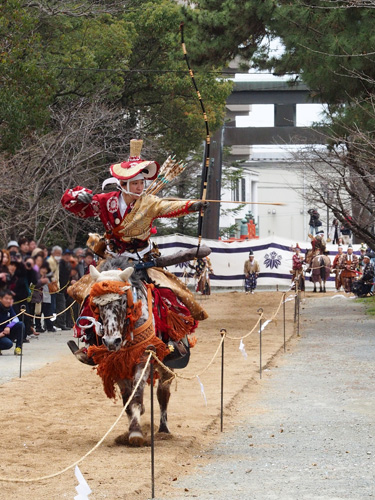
78 80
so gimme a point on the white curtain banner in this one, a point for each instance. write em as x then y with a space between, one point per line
273 254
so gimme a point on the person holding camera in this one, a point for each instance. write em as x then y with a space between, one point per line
4 271
22 275
315 221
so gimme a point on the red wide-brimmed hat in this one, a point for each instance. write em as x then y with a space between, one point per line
135 165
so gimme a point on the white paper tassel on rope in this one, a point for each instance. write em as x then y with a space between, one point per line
202 390
265 324
83 489
289 298
242 349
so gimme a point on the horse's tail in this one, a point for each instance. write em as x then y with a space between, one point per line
322 269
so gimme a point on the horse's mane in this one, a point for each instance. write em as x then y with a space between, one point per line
122 263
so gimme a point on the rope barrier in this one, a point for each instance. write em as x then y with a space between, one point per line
151 354
28 298
175 375
10 319
50 476
38 317
54 315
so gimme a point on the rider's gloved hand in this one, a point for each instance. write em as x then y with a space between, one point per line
198 206
85 197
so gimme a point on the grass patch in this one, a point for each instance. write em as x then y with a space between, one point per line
370 305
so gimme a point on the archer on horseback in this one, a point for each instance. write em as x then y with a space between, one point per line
319 261
298 260
127 215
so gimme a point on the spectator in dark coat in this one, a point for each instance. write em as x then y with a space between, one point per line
23 244
4 271
11 328
22 275
315 221
84 266
63 321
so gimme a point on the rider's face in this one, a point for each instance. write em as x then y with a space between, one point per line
136 187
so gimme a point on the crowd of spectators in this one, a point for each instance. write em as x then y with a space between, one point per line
35 278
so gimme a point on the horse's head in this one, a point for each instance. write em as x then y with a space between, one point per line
111 302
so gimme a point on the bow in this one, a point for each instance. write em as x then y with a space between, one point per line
206 160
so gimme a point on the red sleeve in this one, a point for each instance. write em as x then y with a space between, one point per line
69 202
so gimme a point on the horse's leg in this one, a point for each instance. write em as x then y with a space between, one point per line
320 285
135 408
163 394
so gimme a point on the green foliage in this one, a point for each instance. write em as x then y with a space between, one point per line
77 81
369 303
329 43
133 58
227 28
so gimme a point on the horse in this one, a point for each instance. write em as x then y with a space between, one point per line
320 267
123 302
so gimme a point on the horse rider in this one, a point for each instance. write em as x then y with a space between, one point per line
297 268
349 265
127 215
318 242
336 266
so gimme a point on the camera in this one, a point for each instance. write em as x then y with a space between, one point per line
15 256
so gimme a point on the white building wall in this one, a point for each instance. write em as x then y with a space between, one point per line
272 182
279 184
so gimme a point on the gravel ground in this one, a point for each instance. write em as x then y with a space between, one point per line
44 349
310 433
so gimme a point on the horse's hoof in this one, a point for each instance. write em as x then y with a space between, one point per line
164 429
314 291
123 439
136 439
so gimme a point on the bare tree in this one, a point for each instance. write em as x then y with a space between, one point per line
84 141
341 176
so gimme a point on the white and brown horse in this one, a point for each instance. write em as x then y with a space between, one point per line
320 267
122 303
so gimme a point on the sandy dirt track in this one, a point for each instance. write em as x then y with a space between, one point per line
55 415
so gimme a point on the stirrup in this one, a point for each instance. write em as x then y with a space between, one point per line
80 354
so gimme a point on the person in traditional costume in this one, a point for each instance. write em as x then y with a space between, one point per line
251 271
362 253
363 286
349 269
203 269
337 266
127 215
297 268
318 242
